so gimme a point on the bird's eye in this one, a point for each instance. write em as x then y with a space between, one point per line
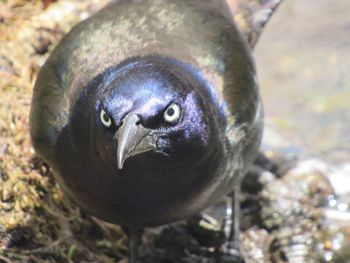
105 119
172 113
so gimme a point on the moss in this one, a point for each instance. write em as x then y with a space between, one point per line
37 223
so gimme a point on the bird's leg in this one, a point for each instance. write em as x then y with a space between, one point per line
228 223
234 237
231 227
134 236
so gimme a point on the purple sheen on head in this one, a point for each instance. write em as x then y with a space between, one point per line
117 106
151 107
149 85
207 85
146 89
195 122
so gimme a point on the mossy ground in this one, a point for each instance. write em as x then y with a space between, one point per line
37 223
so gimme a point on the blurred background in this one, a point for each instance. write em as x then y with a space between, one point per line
303 61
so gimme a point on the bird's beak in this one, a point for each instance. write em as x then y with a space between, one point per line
133 139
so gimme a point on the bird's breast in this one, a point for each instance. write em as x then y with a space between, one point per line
150 189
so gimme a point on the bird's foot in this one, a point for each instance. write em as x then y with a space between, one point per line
230 253
206 230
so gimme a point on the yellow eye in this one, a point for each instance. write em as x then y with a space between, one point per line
105 119
172 113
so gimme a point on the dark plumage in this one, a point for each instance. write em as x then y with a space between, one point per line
149 110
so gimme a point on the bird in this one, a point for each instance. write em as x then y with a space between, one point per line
149 111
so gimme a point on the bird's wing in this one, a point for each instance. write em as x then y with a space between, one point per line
251 16
49 111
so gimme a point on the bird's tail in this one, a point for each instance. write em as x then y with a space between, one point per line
251 16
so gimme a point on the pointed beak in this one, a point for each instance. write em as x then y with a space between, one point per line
133 138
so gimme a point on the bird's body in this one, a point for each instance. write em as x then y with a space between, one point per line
118 78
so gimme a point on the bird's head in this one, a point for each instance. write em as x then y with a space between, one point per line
147 105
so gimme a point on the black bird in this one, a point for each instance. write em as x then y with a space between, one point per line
149 111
